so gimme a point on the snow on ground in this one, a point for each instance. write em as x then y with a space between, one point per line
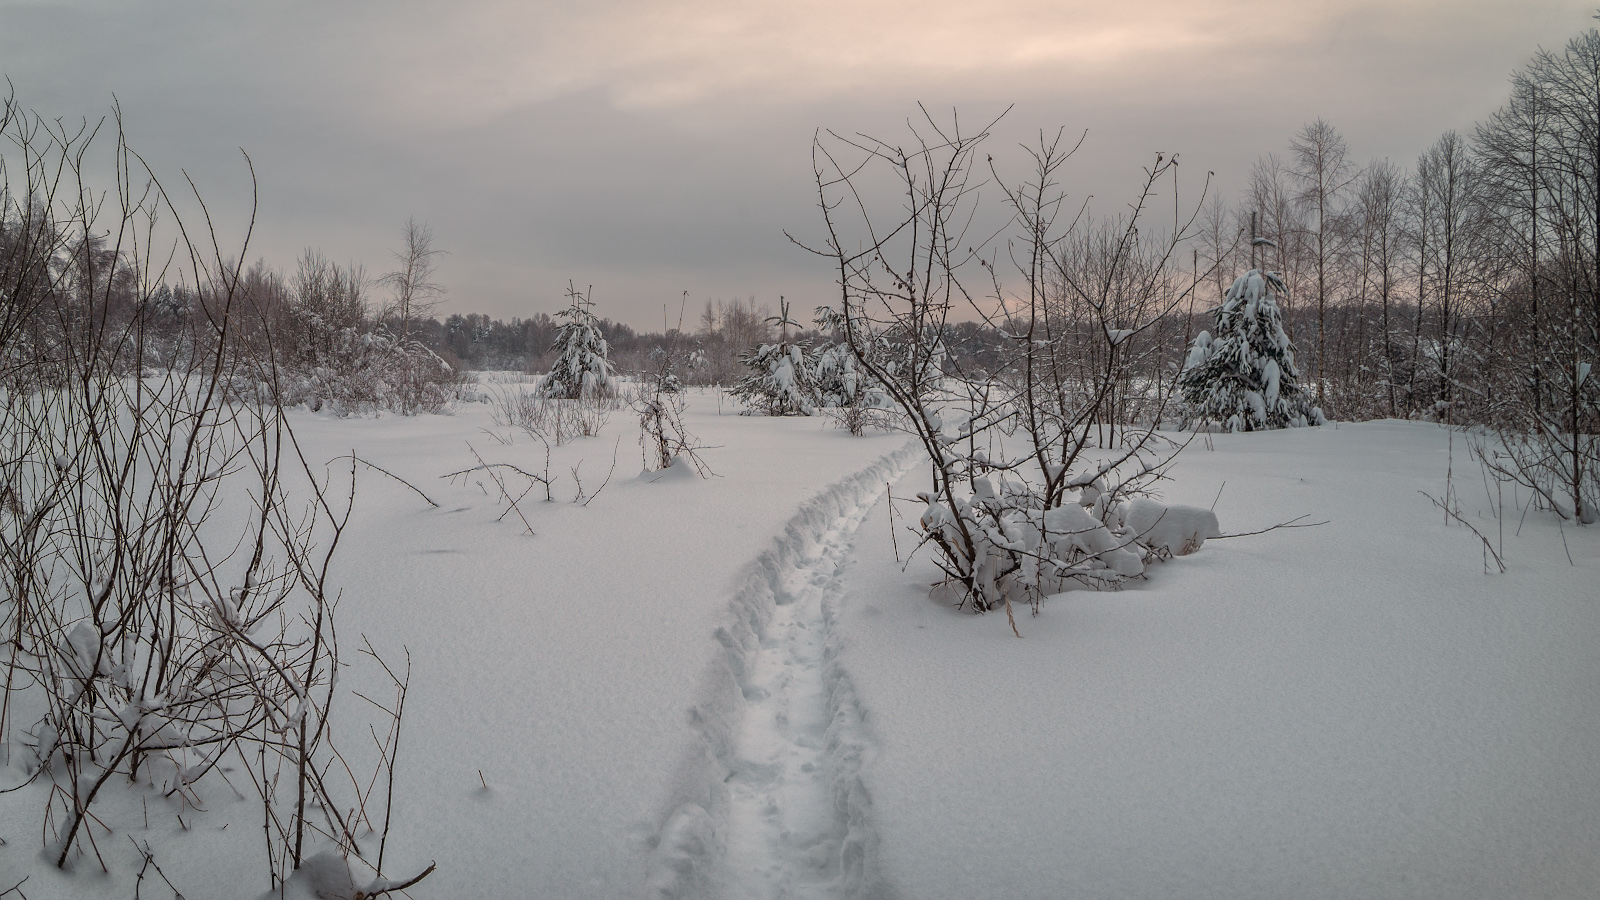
794 828
563 666
731 688
1352 710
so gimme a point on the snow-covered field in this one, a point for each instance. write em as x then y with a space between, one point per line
1351 710
731 688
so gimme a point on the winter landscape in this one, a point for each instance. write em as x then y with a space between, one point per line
1213 536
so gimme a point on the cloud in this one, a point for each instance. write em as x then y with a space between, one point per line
673 53
652 146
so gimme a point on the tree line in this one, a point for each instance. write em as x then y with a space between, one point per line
1462 286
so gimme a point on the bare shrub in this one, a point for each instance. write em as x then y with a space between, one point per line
1029 470
550 418
165 546
857 419
658 399
1551 447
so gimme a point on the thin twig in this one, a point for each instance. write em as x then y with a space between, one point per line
384 471
1488 548
609 473
1292 523
489 466
398 887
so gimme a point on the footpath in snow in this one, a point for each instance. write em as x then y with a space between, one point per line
779 810
788 836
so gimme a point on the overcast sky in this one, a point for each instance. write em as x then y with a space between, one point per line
652 147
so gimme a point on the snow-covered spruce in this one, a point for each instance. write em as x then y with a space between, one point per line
779 383
1243 376
834 377
582 368
794 378
837 380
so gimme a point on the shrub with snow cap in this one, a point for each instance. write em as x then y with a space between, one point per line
1243 376
1022 550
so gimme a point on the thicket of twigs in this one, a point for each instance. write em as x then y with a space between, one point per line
166 614
1035 467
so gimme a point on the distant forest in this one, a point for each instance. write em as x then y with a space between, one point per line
723 331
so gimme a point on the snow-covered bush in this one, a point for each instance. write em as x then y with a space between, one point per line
663 438
1243 376
1013 549
664 441
363 371
840 388
779 383
582 367
1031 490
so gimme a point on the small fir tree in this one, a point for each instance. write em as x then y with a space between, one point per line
1244 376
780 382
837 381
582 368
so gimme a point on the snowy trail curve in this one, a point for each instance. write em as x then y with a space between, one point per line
787 838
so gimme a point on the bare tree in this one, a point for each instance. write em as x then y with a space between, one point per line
1542 167
1322 173
1380 193
415 295
1513 144
1220 238
1449 225
1279 223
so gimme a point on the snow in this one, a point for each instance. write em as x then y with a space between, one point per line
1350 710
1171 530
793 830
738 686
565 666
